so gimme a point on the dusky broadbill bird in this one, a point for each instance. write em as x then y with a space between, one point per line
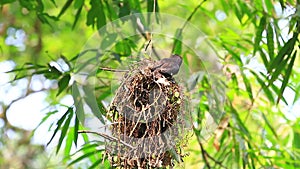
168 66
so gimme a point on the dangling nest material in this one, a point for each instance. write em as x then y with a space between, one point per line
148 120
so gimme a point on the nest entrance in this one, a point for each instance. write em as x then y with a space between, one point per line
147 119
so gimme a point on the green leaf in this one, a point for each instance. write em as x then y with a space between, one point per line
282 4
76 127
78 4
279 70
64 8
235 56
285 50
53 73
269 125
108 40
239 122
286 76
2 2
78 103
64 129
247 85
264 87
111 12
270 41
69 141
40 6
259 5
269 4
59 123
135 5
296 142
259 32
53 2
152 6
177 49
77 17
87 147
124 10
45 118
92 103
85 155
27 66
263 57
104 94
123 48
29 5
63 83
96 14
95 164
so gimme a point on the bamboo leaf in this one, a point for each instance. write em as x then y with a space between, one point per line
69 141
285 50
45 118
269 125
247 85
53 73
269 4
279 70
177 49
85 155
264 57
108 40
77 16
270 41
6 1
87 146
59 123
95 164
258 35
78 103
152 6
63 83
235 56
78 3
264 87
92 103
286 76
64 130
64 8
239 122
96 14
76 126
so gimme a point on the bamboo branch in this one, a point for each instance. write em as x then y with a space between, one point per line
111 138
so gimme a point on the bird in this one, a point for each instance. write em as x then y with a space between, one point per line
168 66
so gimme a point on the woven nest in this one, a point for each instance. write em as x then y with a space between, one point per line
147 120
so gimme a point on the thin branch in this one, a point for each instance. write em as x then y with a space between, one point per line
192 14
112 70
111 138
146 38
205 154
148 45
187 20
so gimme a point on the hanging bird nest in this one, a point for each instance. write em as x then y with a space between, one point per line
148 120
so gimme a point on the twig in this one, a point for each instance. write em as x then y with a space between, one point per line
204 155
112 70
187 20
111 138
148 45
146 38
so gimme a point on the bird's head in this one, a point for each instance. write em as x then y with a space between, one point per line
178 58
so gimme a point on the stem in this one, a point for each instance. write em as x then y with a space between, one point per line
111 138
